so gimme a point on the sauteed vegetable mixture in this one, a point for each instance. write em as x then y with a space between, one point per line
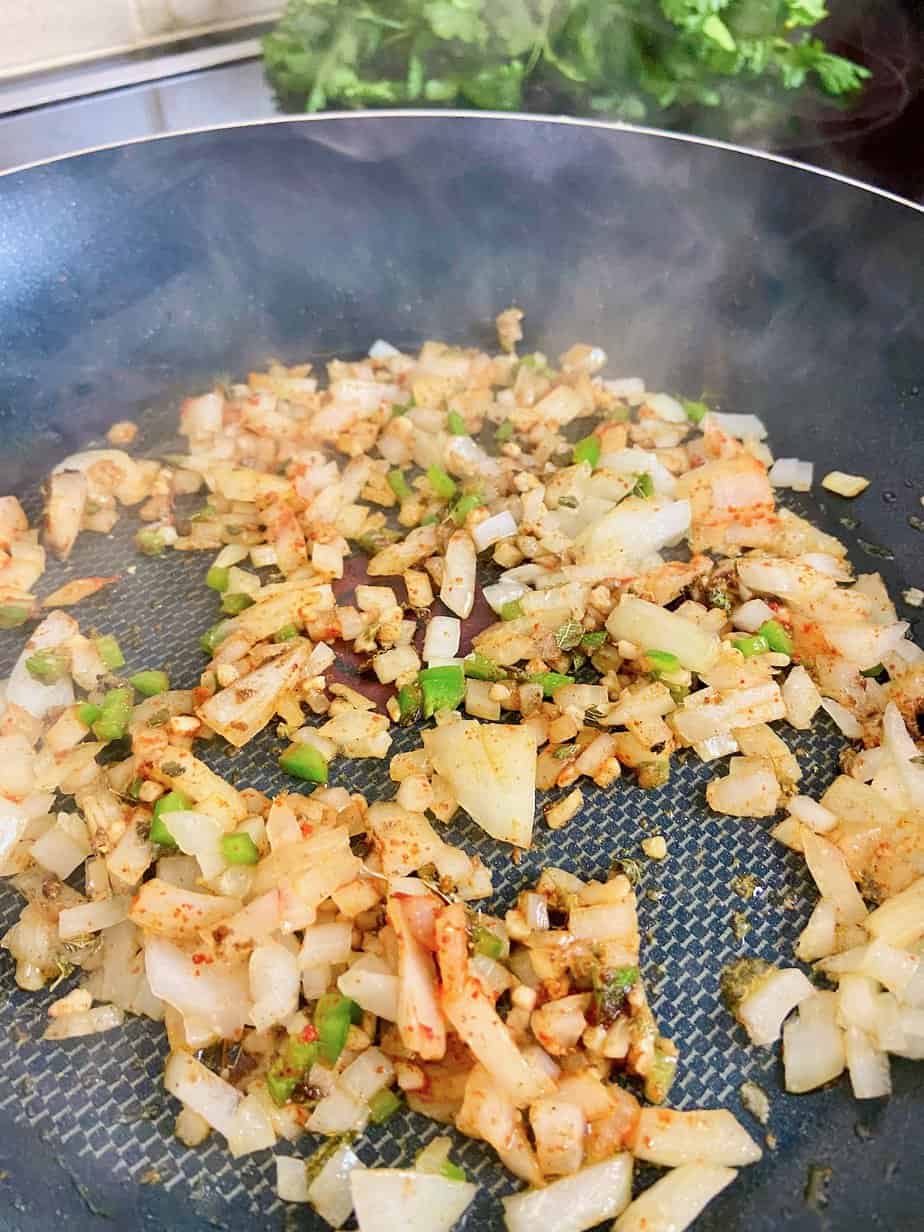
566 579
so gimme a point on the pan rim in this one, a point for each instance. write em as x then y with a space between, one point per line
393 113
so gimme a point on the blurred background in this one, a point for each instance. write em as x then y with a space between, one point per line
840 86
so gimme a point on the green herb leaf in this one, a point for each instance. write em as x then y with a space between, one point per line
644 486
587 450
456 424
569 635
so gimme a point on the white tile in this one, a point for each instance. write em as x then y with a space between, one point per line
158 17
154 17
40 32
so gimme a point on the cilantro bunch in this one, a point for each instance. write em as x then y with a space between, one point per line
631 59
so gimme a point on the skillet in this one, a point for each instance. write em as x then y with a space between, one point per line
132 275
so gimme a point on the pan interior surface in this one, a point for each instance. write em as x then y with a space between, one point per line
131 276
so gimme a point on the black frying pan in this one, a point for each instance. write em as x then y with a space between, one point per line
131 275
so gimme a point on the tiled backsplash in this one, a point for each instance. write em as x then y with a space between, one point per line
45 33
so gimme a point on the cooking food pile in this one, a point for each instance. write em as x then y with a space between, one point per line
560 580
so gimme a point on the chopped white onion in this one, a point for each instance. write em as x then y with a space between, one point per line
458 588
372 986
744 427
491 768
338 1113
762 1011
810 813
499 593
441 641
818 938
201 1089
381 349
813 1044
626 387
791 473
574 1203
501 526
368 1074
832 876
843 719
801 698
666 408
92 917
654 628
868 1066
640 462
250 1128
709 1136
389 1198
274 984
292 1179
536 911
329 1192
751 615
325 945
87 1022
214 995
674 1201
23 689
900 920
716 746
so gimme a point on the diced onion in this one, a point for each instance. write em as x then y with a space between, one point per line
368 1074
751 615
250 1128
574 1203
458 588
832 876
274 984
491 768
292 1179
23 689
199 1088
388 1198
536 911
843 719
674 1201
810 813
329 1192
325 944
672 1139
868 1066
500 593
374 989
744 427
381 349
791 473
654 628
817 939
501 526
88 1022
214 996
442 638
762 1011
900 920
666 408
813 1045
92 917
338 1113
626 387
